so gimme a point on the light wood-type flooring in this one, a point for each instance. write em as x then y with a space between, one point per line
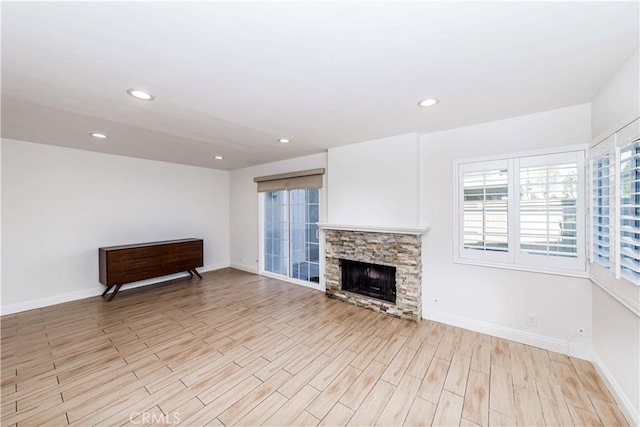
240 349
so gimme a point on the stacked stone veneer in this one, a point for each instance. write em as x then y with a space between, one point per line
403 251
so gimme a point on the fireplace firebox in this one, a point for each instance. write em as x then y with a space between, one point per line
372 280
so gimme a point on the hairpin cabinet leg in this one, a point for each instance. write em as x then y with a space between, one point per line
115 291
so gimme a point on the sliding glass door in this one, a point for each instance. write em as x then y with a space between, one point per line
276 231
290 233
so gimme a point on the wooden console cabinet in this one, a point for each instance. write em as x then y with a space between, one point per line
120 265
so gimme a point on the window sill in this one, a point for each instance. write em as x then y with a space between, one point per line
528 269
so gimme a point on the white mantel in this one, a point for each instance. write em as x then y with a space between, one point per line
370 229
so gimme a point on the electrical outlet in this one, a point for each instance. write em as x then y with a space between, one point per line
581 331
532 321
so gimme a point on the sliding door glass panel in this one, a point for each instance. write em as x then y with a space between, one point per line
299 268
303 235
276 232
291 246
312 246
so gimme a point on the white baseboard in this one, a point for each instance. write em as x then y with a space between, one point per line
213 267
244 267
630 413
524 337
52 300
91 292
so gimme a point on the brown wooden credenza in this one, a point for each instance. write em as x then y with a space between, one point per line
124 264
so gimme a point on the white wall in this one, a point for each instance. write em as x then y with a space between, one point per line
0 228
618 102
59 205
375 183
244 206
616 337
493 300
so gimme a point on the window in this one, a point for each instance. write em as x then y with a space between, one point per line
548 205
484 220
485 210
629 218
615 215
601 216
523 212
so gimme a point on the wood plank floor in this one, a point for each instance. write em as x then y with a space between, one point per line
240 349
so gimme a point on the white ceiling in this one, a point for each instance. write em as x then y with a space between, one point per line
232 77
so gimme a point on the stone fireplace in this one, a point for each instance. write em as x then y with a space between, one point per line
378 249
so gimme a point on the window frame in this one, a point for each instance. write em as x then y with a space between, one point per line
515 259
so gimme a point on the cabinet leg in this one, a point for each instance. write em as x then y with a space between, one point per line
106 291
115 291
190 273
198 274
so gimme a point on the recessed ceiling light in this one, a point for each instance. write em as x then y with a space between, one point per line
427 102
218 157
140 94
284 140
98 135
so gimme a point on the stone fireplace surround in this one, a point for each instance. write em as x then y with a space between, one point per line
397 247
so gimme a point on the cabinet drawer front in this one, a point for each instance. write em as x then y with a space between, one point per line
134 264
181 256
178 266
175 248
127 254
134 275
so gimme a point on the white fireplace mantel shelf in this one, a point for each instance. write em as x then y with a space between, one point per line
372 229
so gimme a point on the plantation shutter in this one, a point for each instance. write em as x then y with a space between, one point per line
629 206
485 210
548 206
601 210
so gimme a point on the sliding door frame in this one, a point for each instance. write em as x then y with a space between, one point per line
322 209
